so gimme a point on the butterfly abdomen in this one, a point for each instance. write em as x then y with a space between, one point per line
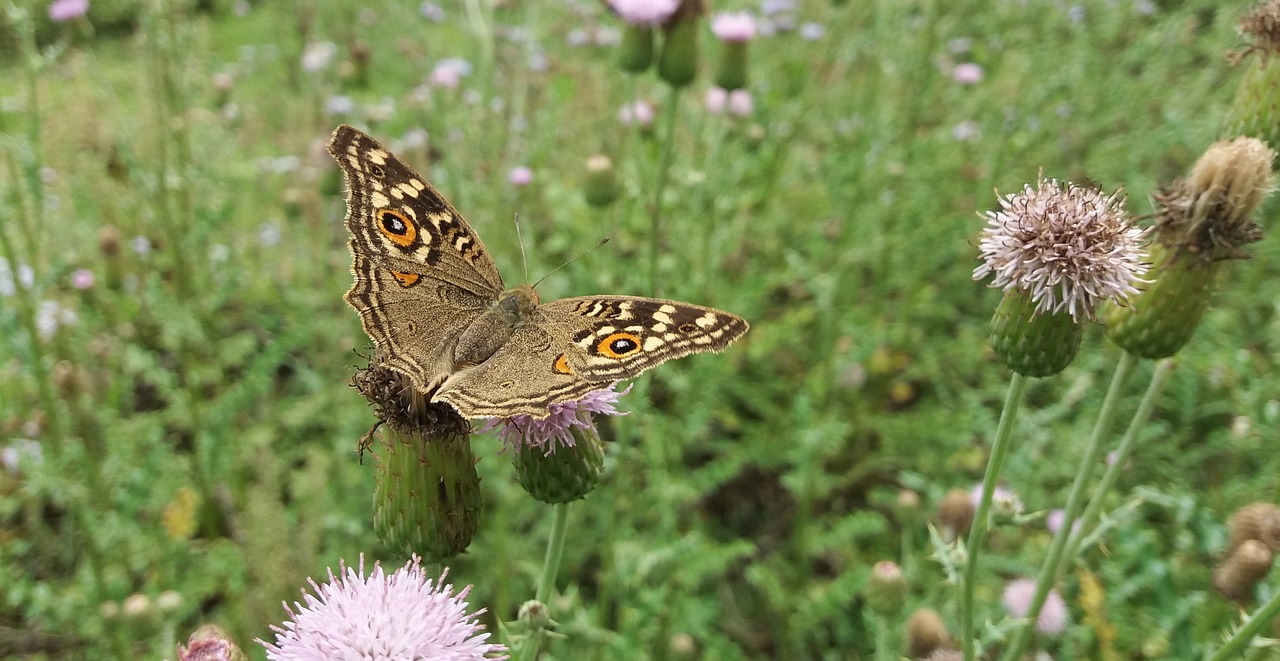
491 330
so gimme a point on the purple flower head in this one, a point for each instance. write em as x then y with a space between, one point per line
716 100
644 12
772 7
556 429
401 616
734 26
448 73
740 103
65 10
1017 600
967 73
82 279
520 176
640 113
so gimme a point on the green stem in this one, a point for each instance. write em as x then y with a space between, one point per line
885 649
546 582
978 529
664 167
1049 570
1093 511
1260 620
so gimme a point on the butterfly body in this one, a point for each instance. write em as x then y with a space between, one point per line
435 306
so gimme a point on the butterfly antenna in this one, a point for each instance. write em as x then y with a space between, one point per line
519 238
602 242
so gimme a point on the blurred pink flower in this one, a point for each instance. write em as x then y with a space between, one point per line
65 10
965 131
734 26
740 103
520 176
967 73
401 616
640 113
556 429
449 72
82 279
1017 600
812 31
644 12
716 99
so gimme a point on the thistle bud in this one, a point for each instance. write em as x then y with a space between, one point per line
1236 577
735 31
566 475
635 52
886 589
210 643
955 514
926 633
1256 521
678 60
600 187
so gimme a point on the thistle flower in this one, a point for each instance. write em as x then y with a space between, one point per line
65 10
600 186
401 616
555 430
644 12
734 27
967 73
1069 247
559 459
1255 521
520 176
1254 111
1057 251
678 59
955 514
1201 222
1017 598
210 643
734 30
426 489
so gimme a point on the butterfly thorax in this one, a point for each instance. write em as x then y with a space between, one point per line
491 330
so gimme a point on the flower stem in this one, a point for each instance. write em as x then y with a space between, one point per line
1261 619
547 582
1049 570
1093 511
885 649
978 529
664 168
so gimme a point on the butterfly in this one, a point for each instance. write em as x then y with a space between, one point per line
431 299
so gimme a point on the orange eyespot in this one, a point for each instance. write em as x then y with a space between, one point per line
619 345
562 365
406 279
395 226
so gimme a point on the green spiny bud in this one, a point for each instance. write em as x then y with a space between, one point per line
886 589
565 475
1033 344
600 187
1256 111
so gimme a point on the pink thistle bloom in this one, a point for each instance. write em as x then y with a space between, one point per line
967 73
1053 615
640 113
812 31
520 176
65 10
734 27
644 12
449 72
557 428
740 103
401 616
82 279
716 99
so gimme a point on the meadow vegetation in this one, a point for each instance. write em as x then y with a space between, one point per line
178 434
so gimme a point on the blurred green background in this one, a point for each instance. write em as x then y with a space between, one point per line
174 411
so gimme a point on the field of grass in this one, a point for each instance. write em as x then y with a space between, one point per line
179 437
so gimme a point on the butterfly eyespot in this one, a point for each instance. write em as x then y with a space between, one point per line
395 226
377 171
619 345
562 366
688 327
